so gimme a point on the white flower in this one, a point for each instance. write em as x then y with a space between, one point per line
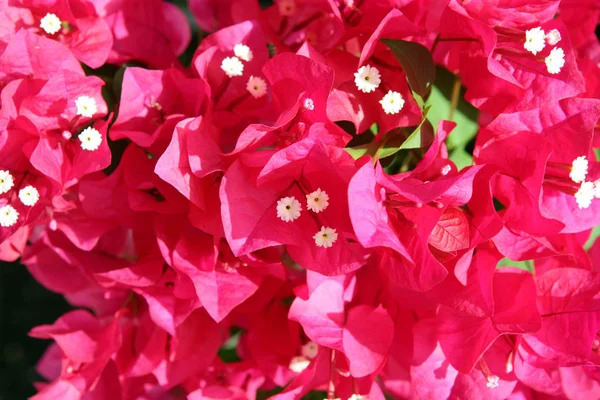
50 24
310 350
309 104
67 135
597 189
6 181
86 106
299 364
535 40
243 52
287 8
555 61
367 78
553 37
357 397
29 195
579 169
90 139
256 86
232 66
8 216
326 237
446 169
492 381
288 209
317 201
585 194
392 102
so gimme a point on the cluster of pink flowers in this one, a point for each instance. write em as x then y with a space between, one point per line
224 235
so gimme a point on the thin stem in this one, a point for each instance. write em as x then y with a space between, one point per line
455 97
331 388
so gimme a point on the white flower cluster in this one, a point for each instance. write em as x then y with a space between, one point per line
233 66
367 79
28 195
535 41
588 191
289 209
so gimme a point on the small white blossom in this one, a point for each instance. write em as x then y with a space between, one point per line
326 237
6 181
357 397
492 381
50 24
367 78
232 66
535 40
392 102
256 86
446 169
309 104
299 364
555 61
317 201
579 169
597 189
287 8
29 195
553 37
86 106
243 52
8 216
288 209
90 139
585 194
67 135
310 350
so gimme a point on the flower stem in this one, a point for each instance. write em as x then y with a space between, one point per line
454 97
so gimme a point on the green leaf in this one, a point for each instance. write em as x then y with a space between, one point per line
526 265
396 142
374 129
359 151
228 353
593 236
461 158
464 114
417 63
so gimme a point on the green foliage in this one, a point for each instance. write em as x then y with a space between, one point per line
417 64
453 108
397 139
228 353
526 265
592 239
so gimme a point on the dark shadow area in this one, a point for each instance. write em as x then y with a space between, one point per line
24 304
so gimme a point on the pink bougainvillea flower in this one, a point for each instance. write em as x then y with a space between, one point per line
350 102
152 103
553 150
291 23
514 78
465 333
75 23
213 15
154 33
255 184
229 88
29 55
403 214
87 345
